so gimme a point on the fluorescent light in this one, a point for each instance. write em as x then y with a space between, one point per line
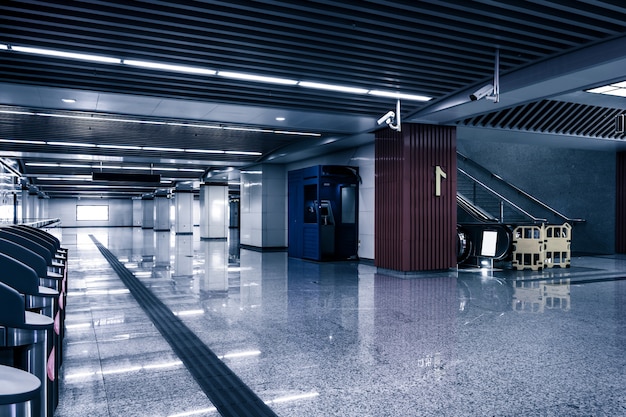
621 84
66 178
77 144
68 100
332 87
280 119
17 112
25 142
287 132
395 94
192 125
248 129
621 92
120 147
602 90
203 151
62 54
260 78
169 67
150 148
3 46
243 153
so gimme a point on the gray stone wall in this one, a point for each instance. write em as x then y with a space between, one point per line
578 183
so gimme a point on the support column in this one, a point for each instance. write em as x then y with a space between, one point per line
415 198
184 211
213 211
264 207
33 204
147 203
161 211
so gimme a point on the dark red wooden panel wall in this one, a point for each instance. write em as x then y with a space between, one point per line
415 230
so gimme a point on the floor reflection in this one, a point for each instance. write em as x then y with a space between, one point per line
342 338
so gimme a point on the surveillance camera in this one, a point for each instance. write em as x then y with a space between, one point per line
482 92
387 118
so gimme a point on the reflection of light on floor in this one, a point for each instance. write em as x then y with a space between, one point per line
194 412
108 292
78 326
188 312
278 400
295 397
136 368
240 354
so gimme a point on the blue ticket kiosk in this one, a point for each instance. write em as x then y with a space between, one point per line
323 212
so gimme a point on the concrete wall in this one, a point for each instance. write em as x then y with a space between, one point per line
578 183
120 212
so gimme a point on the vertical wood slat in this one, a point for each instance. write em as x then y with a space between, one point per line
620 203
414 229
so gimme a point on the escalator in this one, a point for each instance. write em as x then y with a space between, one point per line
480 235
486 218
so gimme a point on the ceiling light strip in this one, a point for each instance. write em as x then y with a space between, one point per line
169 67
208 71
63 54
125 147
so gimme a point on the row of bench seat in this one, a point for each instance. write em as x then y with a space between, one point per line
33 294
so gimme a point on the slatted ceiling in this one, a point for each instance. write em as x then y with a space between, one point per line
432 47
553 117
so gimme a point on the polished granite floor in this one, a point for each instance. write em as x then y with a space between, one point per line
341 339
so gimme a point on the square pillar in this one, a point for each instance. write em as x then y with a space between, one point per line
162 211
214 211
147 204
184 212
415 198
263 206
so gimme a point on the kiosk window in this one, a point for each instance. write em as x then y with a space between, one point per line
348 204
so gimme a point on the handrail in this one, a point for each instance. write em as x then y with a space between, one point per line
474 210
501 197
520 191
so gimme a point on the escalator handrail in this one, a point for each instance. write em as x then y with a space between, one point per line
473 210
520 191
501 197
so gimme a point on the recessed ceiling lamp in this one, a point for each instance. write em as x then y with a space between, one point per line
280 119
615 89
63 54
169 67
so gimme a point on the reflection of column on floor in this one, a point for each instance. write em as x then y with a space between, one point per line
147 253
213 210
183 262
252 269
162 258
214 283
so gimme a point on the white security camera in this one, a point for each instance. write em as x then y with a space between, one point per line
387 118
481 92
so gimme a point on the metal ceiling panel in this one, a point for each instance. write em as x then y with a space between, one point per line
549 50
